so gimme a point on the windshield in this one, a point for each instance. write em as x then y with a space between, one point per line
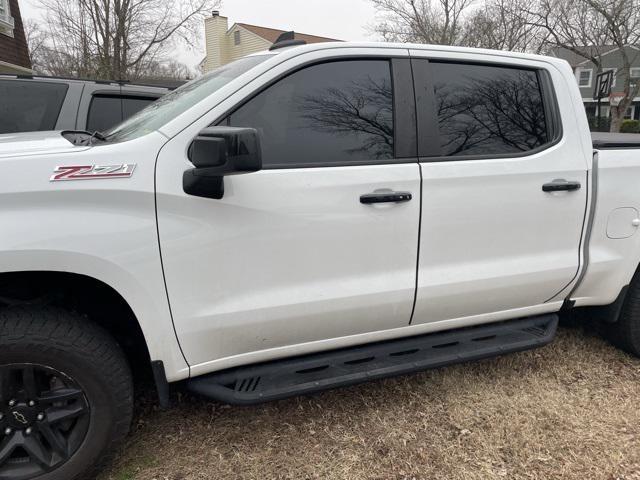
180 100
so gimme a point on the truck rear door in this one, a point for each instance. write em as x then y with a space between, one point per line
504 188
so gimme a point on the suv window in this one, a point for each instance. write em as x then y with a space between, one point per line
336 113
132 105
29 106
105 111
488 110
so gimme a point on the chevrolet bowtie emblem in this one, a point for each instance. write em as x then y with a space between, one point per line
20 418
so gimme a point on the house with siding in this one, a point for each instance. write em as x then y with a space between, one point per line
224 44
611 59
14 53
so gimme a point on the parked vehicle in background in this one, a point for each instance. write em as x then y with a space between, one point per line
39 103
301 219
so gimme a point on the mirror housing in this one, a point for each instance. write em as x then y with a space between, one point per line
217 152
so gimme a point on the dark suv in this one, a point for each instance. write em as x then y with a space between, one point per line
37 103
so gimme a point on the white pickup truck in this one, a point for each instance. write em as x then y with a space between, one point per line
302 219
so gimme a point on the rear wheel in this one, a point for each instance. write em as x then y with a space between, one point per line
65 394
625 333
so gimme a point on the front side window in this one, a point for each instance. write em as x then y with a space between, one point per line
29 106
337 113
635 72
488 110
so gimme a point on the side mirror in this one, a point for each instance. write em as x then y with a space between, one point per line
217 152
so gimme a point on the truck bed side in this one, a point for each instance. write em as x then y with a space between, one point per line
614 244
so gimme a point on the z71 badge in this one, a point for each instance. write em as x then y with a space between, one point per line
92 172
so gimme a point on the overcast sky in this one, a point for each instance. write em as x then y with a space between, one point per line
341 19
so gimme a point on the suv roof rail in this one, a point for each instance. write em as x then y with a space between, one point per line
286 39
24 76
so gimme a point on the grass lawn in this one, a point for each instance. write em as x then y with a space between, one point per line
570 410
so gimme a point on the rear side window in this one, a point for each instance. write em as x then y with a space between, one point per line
337 113
488 110
29 106
104 112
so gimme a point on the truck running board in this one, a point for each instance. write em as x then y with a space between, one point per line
348 366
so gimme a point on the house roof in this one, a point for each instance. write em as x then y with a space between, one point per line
587 51
272 34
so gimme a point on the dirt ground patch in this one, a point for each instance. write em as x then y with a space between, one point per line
570 410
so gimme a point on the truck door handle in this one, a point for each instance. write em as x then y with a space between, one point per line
385 197
561 185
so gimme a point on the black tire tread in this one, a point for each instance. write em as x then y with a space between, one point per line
625 333
52 329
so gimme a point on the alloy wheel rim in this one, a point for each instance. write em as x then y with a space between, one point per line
44 418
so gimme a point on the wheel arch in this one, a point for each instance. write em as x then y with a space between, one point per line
145 334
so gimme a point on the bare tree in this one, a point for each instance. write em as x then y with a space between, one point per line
504 25
497 24
590 29
424 21
35 40
587 28
47 60
117 39
172 70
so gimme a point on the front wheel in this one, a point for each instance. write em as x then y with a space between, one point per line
65 394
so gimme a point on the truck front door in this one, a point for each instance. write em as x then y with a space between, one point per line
292 254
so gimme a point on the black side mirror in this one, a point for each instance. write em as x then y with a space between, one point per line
217 152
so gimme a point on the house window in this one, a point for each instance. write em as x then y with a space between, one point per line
584 77
605 112
635 72
6 20
236 37
629 114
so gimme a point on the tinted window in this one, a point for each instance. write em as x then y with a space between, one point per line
484 110
333 113
29 106
132 105
104 113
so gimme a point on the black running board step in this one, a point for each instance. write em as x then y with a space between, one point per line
348 366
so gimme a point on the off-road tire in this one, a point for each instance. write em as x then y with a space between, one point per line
625 333
70 343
